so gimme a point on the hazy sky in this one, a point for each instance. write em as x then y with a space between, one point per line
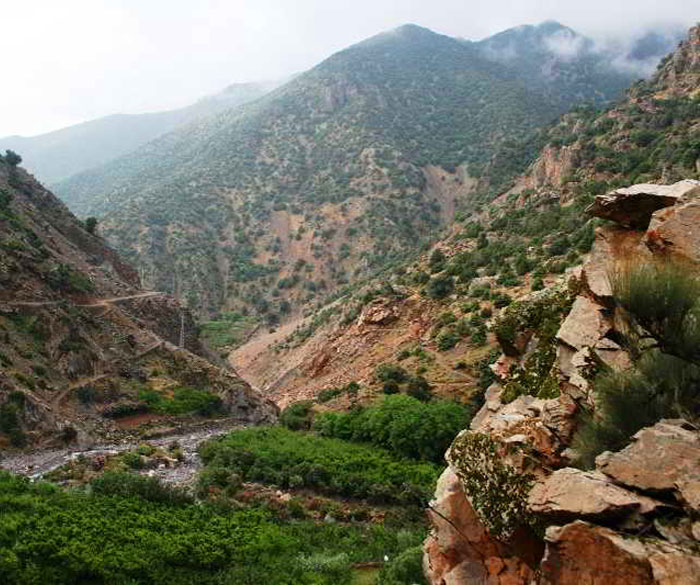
65 61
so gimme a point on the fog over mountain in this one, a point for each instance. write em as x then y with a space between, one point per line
95 57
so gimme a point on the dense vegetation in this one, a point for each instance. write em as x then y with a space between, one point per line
328 160
292 459
133 535
402 424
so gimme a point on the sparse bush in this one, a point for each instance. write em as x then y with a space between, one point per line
391 372
447 339
661 300
440 286
298 416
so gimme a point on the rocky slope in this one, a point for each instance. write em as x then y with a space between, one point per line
509 508
651 135
82 345
56 156
523 238
333 176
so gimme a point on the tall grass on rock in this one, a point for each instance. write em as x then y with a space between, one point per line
662 305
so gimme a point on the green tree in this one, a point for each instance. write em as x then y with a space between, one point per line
440 286
12 158
91 225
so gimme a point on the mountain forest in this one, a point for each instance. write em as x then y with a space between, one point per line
425 313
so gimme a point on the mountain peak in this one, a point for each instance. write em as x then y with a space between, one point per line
413 30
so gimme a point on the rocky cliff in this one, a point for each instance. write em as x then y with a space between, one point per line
81 344
510 508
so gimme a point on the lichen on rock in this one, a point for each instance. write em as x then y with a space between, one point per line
497 491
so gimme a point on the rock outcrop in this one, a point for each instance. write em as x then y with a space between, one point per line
672 231
632 207
569 494
663 459
509 477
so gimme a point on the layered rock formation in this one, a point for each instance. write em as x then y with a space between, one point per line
510 509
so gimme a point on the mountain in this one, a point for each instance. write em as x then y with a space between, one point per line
82 346
345 169
57 155
523 309
498 249
558 61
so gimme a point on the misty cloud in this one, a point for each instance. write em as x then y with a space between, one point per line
565 44
80 59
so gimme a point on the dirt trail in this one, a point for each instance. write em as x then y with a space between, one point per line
98 303
55 403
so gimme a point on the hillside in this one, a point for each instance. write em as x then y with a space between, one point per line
57 155
588 425
86 353
550 479
349 167
522 240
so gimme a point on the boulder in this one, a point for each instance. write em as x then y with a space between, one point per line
632 207
675 567
492 402
612 245
585 325
458 544
568 494
379 312
580 553
673 232
662 458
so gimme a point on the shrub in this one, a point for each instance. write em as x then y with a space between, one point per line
478 336
661 300
419 388
659 386
447 339
12 158
391 387
437 261
298 416
402 424
440 286
391 373
328 394
115 483
91 225
405 569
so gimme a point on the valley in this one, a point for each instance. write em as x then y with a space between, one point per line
425 313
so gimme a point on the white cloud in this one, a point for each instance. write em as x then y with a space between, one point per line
564 44
72 60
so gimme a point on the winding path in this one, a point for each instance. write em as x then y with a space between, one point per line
98 303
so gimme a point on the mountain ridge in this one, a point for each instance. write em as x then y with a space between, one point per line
342 148
61 153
